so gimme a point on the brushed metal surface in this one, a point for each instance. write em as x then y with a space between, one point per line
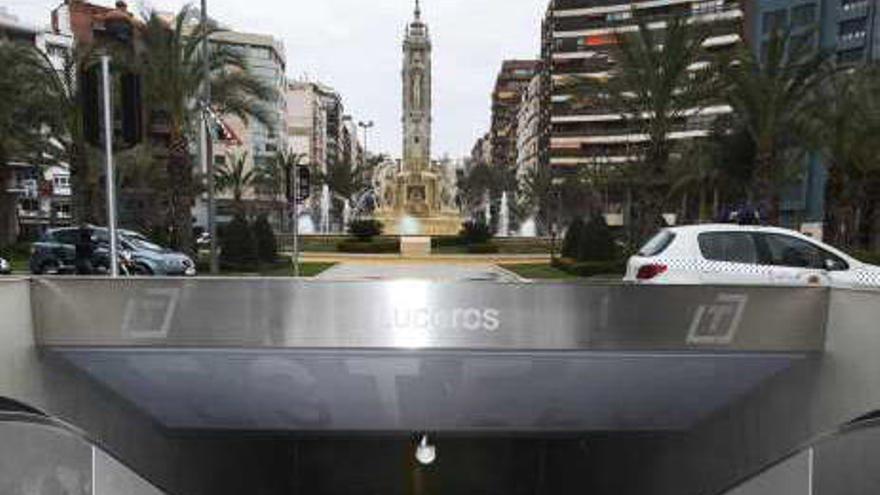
405 314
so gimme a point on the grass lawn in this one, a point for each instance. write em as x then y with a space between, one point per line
282 268
19 264
539 271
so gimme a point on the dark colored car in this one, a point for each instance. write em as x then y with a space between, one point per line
55 253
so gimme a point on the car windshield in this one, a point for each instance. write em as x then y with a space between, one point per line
657 244
139 242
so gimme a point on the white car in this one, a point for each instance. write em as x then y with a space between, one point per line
739 254
5 268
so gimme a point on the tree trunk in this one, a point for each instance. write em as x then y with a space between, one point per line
8 210
765 189
704 207
84 201
836 231
180 196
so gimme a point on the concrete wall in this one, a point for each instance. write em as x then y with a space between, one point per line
179 464
786 413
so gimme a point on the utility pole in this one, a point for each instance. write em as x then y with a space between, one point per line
295 219
366 126
110 180
205 140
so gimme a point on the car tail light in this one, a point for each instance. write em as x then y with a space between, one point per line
647 272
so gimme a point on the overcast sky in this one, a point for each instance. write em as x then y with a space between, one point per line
354 46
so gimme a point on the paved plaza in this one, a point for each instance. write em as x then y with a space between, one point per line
441 272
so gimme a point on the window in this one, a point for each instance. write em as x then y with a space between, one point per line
783 250
707 6
30 205
775 21
733 247
619 16
854 28
657 244
803 15
66 236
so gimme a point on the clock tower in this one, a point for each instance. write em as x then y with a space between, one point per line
416 76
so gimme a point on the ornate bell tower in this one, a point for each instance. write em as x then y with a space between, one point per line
417 95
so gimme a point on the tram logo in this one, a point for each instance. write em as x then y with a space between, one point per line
717 323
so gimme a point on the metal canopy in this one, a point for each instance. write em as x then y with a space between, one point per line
256 354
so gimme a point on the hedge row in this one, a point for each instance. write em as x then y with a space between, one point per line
590 268
375 246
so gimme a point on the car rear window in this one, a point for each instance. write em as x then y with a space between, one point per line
733 247
657 244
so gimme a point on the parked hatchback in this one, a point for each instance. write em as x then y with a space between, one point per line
56 253
738 254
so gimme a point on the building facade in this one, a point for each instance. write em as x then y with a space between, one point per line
578 43
528 129
259 143
512 81
41 193
846 30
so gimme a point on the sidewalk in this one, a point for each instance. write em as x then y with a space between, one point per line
463 259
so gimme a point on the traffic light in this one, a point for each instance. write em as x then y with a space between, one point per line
304 183
126 94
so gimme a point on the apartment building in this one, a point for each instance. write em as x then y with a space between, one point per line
529 130
41 194
513 78
578 43
258 142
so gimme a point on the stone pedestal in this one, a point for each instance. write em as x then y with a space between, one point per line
415 247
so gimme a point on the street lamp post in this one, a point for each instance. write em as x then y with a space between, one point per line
366 126
205 141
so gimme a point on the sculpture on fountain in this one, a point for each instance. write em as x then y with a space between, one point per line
416 197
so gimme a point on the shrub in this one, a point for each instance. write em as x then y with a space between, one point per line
483 248
870 257
591 268
364 230
380 246
237 243
475 232
589 241
264 237
573 239
597 241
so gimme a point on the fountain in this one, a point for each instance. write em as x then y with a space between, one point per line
529 228
417 189
346 215
325 209
306 224
504 217
487 212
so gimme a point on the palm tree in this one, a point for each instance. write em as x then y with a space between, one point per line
173 83
661 79
282 169
770 94
843 122
234 176
22 117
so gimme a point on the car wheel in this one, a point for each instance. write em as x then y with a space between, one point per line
142 270
49 267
